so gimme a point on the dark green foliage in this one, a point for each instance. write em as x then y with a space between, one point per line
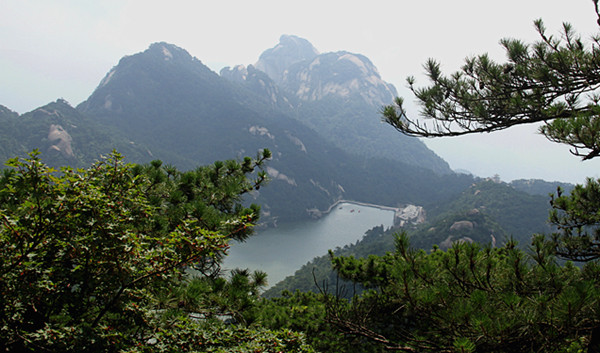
190 336
232 299
96 260
469 298
6 113
520 215
466 226
552 81
540 187
577 217
306 312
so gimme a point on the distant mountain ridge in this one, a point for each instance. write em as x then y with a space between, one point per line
540 187
339 95
188 116
165 104
64 136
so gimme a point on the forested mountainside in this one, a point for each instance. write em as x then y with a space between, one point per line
165 104
64 136
489 213
540 187
114 256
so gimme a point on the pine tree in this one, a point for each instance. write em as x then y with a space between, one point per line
482 299
553 81
99 259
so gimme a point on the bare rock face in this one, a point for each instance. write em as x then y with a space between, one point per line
461 226
447 244
61 140
290 50
342 75
260 83
297 66
473 212
337 94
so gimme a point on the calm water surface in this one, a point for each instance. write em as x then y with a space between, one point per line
281 251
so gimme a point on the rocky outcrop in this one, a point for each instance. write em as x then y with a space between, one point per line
290 50
337 94
298 68
446 244
61 140
261 84
342 74
461 226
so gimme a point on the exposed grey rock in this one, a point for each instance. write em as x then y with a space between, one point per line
446 244
61 140
461 226
341 74
339 95
290 50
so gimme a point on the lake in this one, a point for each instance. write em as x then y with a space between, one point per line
283 250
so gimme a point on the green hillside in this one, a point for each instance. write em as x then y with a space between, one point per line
64 136
488 212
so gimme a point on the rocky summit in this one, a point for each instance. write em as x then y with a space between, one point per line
337 94
290 50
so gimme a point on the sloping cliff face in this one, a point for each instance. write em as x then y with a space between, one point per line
263 86
61 140
343 75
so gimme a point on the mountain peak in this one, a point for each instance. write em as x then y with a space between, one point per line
160 68
296 66
341 74
290 50
7 112
168 51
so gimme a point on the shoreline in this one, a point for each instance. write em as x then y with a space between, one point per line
381 207
402 215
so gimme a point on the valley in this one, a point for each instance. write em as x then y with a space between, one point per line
299 177
304 130
316 112
282 250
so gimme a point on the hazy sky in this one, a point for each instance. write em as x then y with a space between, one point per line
62 49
